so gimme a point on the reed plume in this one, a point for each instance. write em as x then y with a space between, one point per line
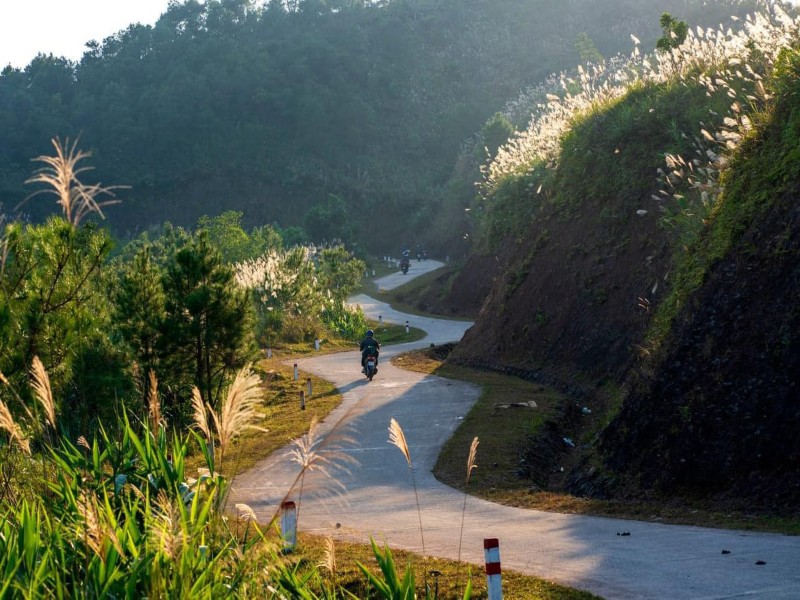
248 514
96 530
398 438
473 452
152 400
307 451
42 390
8 423
238 410
329 560
164 529
200 414
61 176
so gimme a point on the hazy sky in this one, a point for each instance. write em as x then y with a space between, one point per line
62 27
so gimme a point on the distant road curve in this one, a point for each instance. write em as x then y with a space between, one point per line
376 499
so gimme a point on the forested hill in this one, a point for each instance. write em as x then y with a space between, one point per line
330 115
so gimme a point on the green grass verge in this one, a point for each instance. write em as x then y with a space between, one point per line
502 431
451 581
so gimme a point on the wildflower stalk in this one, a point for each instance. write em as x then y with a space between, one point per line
398 438
473 451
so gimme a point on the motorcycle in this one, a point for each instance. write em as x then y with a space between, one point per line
371 366
404 263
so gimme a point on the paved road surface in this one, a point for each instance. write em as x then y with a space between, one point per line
376 498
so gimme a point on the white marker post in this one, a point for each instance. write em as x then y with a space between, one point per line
296 374
491 553
316 345
269 352
302 399
380 319
408 328
308 381
289 525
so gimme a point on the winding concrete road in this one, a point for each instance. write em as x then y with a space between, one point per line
376 497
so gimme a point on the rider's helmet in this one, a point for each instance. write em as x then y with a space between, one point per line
370 333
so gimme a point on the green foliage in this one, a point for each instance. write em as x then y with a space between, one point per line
344 321
234 243
298 293
225 104
53 302
205 334
139 310
586 49
762 170
511 206
495 133
391 586
675 33
330 221
339 272
121 518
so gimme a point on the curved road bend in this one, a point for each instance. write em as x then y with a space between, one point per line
376 497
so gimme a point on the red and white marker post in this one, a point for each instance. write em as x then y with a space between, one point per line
491 553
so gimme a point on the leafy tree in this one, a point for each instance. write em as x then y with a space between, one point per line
675 33
51 294
206 333
339 272
586 49
495 133
140 310
234 243
329 221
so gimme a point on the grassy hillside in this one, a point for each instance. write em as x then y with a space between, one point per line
643 236
716 411
320 115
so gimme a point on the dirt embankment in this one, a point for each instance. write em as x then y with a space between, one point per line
720 414
572 298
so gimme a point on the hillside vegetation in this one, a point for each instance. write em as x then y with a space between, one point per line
644 234
323 115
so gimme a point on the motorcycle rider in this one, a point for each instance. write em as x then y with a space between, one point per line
405 260
369 345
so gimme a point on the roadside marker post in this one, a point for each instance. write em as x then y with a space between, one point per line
407 327
316 345
296 375
289 525
308 381
491 552
302 399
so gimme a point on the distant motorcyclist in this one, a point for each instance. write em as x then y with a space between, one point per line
369 345
405 260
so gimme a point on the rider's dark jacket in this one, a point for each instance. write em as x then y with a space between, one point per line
366 344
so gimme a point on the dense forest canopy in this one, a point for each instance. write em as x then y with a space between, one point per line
358 109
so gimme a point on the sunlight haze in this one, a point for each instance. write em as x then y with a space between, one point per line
62 28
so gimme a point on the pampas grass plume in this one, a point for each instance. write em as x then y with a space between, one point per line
42 390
